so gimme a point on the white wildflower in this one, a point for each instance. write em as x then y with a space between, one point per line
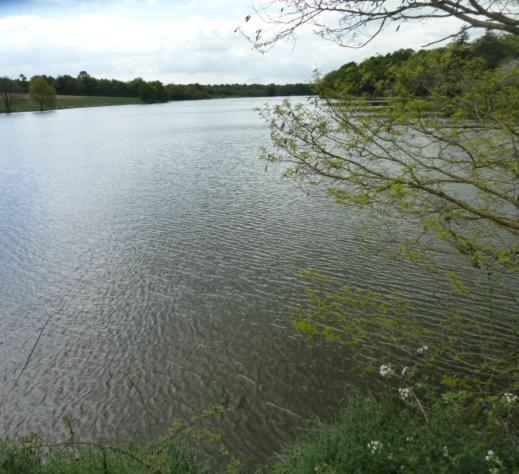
375 446
404 371
404 392
422 349
386 371
510 397
490 456
493 458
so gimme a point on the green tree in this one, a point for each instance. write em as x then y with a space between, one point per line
9 90
42 92
440 157
446 164
146 92
271 90
23 83
494 49
449 125
150 92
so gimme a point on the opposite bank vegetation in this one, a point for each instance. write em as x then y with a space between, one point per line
47 92
441 399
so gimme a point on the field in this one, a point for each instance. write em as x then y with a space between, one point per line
25 104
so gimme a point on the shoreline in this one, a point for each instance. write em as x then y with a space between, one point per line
71 102
64 102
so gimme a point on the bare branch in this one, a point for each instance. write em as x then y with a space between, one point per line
371 17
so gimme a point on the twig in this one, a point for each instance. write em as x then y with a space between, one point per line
99 446
445 38
35 345
421 408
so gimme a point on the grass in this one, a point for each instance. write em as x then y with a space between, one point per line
390 436
31 456
371 436
25 104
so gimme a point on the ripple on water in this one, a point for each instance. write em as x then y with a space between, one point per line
166 258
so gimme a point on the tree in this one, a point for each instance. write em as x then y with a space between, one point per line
271 90
150 92
356 23
146 92
23 83
415 154
42 92
441 156
9 90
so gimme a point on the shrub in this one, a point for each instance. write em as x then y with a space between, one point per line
389 436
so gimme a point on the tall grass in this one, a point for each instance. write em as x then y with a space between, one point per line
384 435
31 456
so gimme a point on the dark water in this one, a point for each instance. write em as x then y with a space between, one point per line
157 247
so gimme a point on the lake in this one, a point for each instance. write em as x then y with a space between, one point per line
161 256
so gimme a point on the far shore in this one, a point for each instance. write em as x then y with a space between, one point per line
25 104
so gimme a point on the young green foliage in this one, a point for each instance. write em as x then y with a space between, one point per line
42 93
447 162
433 169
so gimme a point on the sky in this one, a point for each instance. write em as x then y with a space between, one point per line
179 41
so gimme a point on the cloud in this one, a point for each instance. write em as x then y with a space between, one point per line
184 43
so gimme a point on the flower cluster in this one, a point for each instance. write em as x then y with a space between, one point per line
404 392
422 349
492 457
375 446
510 397
386 371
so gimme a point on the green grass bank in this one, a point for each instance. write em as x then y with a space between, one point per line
25 104
388 435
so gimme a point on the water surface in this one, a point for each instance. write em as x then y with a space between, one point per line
160 249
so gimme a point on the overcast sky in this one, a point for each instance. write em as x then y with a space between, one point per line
171 40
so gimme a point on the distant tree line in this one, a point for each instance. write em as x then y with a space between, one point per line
401 72
417 73
148 91
199 91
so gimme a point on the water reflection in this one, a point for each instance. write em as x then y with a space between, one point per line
163 251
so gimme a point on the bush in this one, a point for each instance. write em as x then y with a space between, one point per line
390 436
